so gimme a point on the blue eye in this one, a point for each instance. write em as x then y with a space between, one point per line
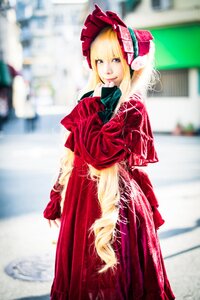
116 59
99 61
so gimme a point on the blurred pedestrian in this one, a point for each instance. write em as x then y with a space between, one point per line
30 115
103 201
4 109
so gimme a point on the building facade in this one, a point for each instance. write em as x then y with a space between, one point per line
36 37
10 58
51 54
175 102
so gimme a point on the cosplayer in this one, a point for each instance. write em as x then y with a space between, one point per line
108 247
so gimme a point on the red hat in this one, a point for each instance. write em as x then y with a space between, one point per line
133 43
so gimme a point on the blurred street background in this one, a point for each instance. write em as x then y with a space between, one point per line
41 74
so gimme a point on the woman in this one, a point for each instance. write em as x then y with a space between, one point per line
108 246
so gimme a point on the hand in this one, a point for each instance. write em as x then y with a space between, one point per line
54 223
55 226
97 91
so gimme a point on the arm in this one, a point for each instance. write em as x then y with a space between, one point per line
99 144
53 210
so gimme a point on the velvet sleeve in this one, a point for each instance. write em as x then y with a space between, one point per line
53 210
102 145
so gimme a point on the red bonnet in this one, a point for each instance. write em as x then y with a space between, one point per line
98 20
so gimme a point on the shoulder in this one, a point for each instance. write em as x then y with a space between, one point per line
137 100
133 104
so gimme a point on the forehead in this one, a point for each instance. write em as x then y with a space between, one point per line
107 48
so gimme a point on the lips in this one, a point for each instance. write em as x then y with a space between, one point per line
110 79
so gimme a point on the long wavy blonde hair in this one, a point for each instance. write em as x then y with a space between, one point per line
106 45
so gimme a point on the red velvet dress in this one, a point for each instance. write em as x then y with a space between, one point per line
126 139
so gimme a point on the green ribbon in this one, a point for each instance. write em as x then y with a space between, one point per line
135 45
88 94
135 42
109 98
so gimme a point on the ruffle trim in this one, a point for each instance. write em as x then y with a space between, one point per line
158 220
142 150
98 20
141 144
53 210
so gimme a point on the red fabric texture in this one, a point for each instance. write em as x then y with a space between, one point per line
140 273
52 210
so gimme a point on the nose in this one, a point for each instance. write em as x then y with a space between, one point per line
107 68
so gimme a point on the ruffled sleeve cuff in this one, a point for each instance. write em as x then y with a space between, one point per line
53 210
141 150
158 220
141 142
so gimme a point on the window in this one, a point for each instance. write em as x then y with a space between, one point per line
126 6
59 20
130 5
161 4
41 22
40 4
172 83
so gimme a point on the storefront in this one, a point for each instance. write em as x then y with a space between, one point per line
176 99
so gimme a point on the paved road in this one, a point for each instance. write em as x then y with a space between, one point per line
28 165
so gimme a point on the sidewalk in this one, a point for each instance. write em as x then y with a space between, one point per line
27 239
23 238
28 236
180 238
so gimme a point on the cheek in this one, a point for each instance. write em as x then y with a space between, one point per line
99 70
121 71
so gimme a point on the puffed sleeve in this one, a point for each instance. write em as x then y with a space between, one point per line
101 145
53 210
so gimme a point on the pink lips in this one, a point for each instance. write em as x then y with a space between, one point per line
111 79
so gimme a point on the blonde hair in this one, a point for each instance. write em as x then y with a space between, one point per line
106 45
